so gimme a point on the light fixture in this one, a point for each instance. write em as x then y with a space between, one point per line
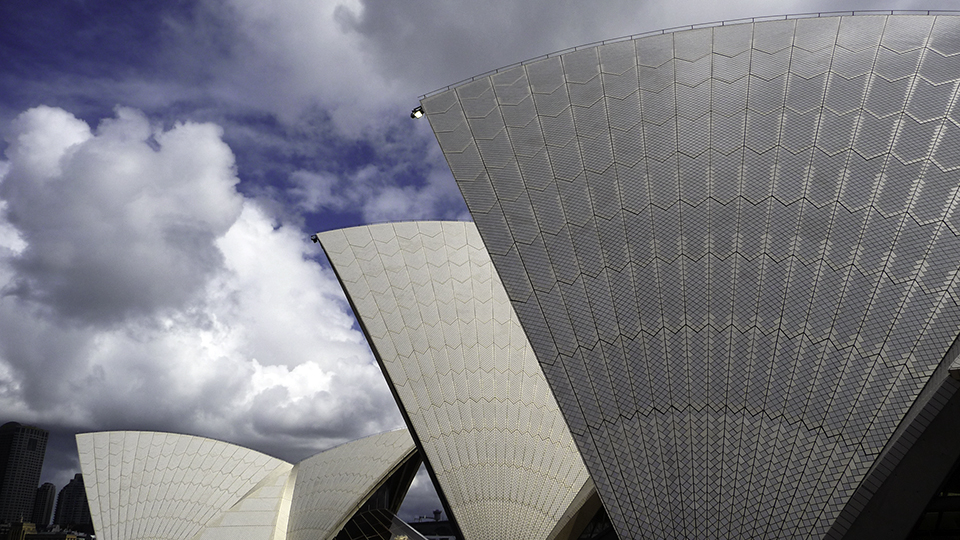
417 113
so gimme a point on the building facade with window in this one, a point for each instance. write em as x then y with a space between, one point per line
21 459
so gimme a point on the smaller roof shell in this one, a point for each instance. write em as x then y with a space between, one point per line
169 486
442 327
332 485
165 486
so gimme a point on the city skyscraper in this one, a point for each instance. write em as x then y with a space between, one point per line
21 458
72 507
43 504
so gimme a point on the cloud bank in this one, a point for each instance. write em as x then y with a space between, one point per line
358 59
143 286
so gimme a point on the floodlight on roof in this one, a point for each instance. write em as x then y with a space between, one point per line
417 113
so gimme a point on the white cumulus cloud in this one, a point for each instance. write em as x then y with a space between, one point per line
119 221
151 293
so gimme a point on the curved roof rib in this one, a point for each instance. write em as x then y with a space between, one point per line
441 325
734 251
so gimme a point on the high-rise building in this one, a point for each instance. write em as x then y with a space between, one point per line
72 507
21 458
43 504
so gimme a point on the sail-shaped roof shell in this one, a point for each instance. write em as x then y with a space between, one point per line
734 250
439 320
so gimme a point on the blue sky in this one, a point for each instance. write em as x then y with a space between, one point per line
163 163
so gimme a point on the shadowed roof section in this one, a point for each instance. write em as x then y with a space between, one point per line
440 323
332 485
734 250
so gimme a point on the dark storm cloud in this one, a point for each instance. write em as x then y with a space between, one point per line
429 44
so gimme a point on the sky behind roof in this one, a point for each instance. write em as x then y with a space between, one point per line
163 163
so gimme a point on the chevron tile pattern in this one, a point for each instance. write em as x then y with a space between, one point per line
332 485
165 485
440 322
260 515
734 250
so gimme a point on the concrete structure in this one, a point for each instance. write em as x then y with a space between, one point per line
440 324
734 251
43 504
21 460
73 510
335 485
166 486
177 483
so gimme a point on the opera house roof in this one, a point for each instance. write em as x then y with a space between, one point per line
169 486
710 291
734 251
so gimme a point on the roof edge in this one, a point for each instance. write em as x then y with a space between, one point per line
712 24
